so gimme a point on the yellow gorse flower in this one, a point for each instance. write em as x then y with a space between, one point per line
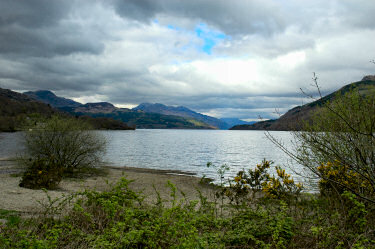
338 173
237 178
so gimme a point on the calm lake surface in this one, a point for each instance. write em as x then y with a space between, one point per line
184 150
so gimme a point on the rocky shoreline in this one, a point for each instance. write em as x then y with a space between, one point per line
29 201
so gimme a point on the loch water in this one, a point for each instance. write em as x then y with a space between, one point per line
184 150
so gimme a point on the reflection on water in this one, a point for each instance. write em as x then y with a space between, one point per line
185 150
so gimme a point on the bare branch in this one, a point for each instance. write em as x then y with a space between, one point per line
277 111
315 79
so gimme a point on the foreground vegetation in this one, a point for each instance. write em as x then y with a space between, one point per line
274 215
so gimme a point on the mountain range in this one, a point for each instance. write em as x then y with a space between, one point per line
134 117
15 107
145 115
294 118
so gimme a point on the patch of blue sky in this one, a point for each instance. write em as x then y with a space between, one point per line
210 37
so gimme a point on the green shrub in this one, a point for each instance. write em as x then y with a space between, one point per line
42 173
338 145
57 147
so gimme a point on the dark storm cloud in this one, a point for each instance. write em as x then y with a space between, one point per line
232 17
32 13
40 74
141 10
35 28
265 17
18 40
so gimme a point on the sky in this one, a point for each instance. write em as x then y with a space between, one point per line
238 58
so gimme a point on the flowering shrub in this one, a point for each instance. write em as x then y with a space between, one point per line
259 180
282 186
42 173
338 177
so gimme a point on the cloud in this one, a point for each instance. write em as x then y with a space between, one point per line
44 28
35 14
227 58
232 17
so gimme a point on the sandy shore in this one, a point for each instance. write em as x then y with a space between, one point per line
27 201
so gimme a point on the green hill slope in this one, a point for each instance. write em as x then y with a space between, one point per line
293 119
50 98
144 120
16 107
184 112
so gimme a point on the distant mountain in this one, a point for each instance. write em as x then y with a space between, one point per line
145 115
134 118
100 107
144 120
235 121
16 107
49 97
293 119
181 111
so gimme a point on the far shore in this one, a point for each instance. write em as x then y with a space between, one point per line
27 201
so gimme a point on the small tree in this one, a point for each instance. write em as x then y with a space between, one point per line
338 144
59 146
